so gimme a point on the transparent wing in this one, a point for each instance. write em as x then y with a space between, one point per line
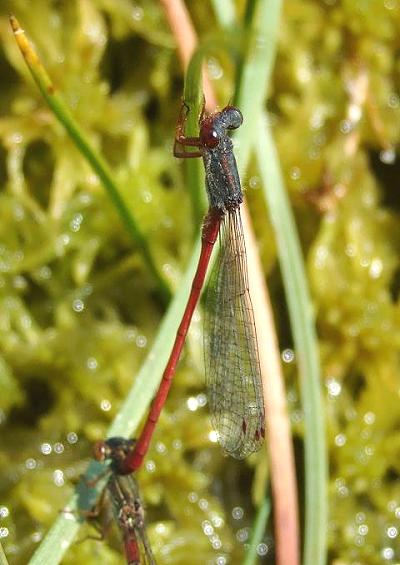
146 553
230 346
131 519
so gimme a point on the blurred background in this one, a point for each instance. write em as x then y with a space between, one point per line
79 309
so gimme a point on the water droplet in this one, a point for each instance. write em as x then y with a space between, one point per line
168 269
369 418
4 512
218 521
354 112
161 447
4 532
340 440
75 223
345 126
242 535
78 305
295 173
388 156
317 120
254 182
58 447
72 437
147 196
161 529
363 529
105 405
19 212
45 272
177 444
369 450
30 463
215 542
201 399
141 341
203 504
237 513
392 532
19 282
92 363
192 403
150 466
36 537
207 527
46 448
288 355
193 497
262 549
214 68
137 13
334 387
296 416
387 553
62 241
360 517
26 322
130 334
394 100
58 477
16 138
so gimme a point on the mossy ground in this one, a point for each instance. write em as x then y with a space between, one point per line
79 310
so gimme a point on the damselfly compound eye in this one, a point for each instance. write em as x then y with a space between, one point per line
232 117
209 136
99 451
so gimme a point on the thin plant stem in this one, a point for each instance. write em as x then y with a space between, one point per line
96 161
3 558
306 346
278 428
66 526
259 526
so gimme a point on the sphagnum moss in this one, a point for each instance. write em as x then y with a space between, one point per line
76 314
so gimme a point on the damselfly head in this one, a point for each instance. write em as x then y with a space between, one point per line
214 126
208 135
99 450
115 448
231 117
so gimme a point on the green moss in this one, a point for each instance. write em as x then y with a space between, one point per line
78 310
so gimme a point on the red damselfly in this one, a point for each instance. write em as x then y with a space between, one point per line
231 353
123 495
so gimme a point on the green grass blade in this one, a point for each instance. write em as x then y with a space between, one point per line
3 558
252 89
225 12
306 346
65 528
260 523
255 72
96 161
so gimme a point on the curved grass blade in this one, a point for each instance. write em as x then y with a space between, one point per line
3 558
302 322
96 161
263 17
65 528
259 527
